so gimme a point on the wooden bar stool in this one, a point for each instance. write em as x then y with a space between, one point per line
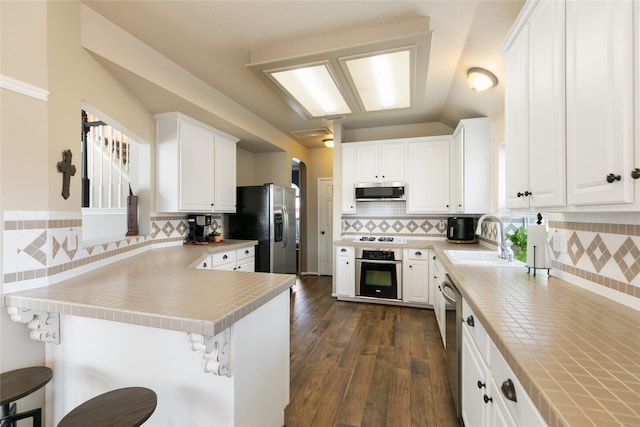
17 384
124 407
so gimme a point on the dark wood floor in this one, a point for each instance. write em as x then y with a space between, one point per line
356 364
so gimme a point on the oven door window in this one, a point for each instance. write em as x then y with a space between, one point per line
379 280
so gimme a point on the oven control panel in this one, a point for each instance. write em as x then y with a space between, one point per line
378 255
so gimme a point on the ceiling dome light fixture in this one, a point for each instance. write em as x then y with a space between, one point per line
328 142
480 79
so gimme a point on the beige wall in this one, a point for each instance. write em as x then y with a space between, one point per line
76 77
23 154
320 165
273 168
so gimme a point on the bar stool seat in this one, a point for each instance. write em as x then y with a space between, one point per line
17 384
124 407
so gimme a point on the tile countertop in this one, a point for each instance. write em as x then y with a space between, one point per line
576 353
161 288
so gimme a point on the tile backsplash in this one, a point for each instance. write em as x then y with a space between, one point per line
37 249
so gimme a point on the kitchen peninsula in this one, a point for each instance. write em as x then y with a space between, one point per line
213 345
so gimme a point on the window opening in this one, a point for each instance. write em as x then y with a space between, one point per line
106 160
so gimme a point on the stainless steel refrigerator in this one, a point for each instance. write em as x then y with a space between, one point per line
266 213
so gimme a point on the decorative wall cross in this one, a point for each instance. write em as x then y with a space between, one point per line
67 170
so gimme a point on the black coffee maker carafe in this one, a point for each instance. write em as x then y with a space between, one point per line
198 228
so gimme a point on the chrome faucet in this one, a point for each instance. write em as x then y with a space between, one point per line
504 252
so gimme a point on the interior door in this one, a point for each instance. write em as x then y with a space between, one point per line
325 226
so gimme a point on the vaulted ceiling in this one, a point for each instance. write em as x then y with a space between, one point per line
214 41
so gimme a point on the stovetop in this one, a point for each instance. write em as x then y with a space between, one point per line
383 239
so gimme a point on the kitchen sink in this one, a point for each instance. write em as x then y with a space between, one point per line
487 258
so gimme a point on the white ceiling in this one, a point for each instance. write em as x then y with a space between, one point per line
213 40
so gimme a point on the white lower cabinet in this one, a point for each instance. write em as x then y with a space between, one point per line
345 271
491 393
237 260
415 276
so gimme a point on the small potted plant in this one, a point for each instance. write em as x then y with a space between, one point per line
216 234
519 241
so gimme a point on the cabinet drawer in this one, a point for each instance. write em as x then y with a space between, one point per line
522 409
417 254
245 253
476 330
205 263
223 258
345 251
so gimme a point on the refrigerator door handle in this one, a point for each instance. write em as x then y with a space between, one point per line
285 232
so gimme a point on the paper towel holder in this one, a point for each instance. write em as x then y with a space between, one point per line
534 265
539 222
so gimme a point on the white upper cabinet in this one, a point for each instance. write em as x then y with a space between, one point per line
534 110
348 178
224 174
196 166
381 161
546 106
599 102
570 101
427 188
471 162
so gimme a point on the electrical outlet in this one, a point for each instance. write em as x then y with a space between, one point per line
72 239
559 242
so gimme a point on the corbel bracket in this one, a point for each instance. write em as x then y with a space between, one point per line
215 351
44 326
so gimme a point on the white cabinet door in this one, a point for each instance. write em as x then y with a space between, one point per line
380 161
224 197
456 170
517 122
471 166
427 189
415 276
547 105
367 163
475 412
348 179
599 102
345 271
196 167
392 162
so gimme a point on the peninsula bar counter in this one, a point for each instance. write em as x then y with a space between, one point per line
214 345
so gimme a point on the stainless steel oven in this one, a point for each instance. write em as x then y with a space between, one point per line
379 273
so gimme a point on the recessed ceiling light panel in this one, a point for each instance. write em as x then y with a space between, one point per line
314 88
383 81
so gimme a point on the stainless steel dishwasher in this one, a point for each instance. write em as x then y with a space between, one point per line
453 338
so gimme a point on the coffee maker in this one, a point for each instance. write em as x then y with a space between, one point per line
198 228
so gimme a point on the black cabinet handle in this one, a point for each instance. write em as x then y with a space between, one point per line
204 264
246 251
470 321
418 253
635 174
434 257
343 250
487 399
225 257
481 384
509 390
611 178
525 194
322 232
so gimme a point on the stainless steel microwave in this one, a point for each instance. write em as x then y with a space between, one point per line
376 191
